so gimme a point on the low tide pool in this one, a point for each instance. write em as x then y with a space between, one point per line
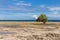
4 33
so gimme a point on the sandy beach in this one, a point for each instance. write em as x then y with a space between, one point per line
29 31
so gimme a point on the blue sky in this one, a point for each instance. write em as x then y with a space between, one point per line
29 9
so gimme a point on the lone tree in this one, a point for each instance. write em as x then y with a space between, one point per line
42 18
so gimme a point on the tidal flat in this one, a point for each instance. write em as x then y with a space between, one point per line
29 31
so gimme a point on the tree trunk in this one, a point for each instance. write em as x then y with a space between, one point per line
44 22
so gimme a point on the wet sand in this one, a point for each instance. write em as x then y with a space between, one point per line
29 31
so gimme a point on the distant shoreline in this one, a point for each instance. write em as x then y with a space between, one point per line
26 21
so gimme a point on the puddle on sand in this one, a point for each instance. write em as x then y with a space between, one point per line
5 33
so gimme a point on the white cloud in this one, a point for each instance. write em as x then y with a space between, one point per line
54 15
13 16
22 3
35 16
54 8
42 6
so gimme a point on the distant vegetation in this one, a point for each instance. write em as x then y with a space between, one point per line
42 18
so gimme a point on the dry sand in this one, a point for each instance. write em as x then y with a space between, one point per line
29 31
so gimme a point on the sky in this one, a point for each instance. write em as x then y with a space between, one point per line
29 9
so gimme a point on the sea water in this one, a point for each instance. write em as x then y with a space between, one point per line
26 21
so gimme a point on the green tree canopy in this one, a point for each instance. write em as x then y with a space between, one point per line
42 18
